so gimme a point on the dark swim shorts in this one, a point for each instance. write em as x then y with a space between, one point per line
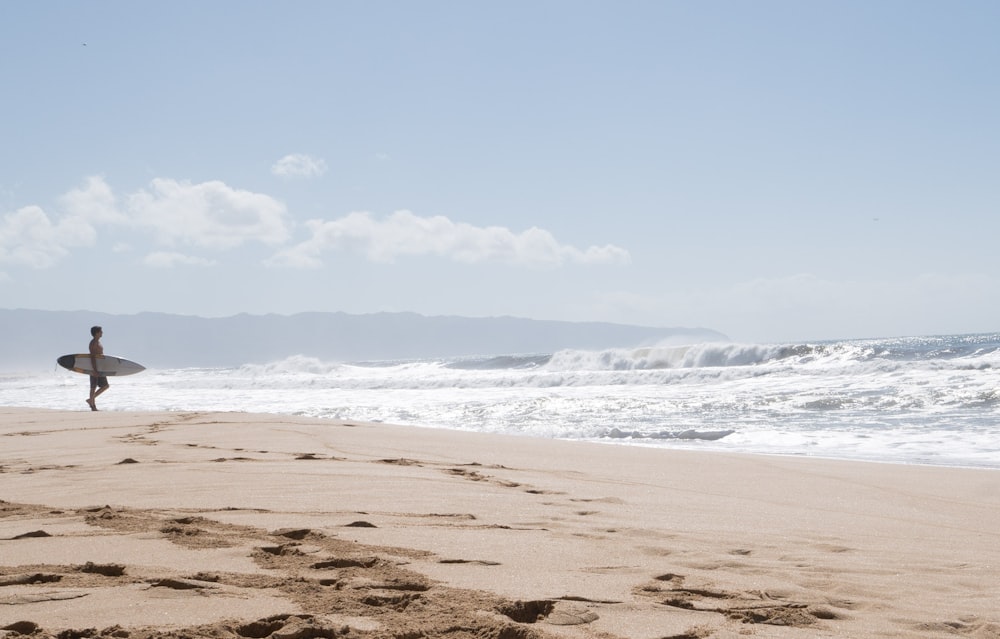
98 382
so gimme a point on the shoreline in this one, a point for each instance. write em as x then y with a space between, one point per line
607 441
851 460
215 521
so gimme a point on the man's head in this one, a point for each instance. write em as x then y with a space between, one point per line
95 331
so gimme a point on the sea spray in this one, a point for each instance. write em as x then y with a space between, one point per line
920 400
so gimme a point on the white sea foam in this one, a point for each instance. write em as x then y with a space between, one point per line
928 400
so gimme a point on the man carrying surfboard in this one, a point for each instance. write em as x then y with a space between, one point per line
98 383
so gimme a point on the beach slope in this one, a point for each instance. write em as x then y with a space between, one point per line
191 524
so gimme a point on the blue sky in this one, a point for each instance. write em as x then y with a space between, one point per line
777 171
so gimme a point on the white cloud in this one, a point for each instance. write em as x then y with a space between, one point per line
208 214
166 259
299 165
29 238
406 234
214 215
94 202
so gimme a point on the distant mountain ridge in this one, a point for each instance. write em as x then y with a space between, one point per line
35 338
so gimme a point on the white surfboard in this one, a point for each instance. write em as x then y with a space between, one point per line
107 365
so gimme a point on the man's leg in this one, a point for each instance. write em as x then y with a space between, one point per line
93 392
97 386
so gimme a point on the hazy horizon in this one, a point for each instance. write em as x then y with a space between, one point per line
162 339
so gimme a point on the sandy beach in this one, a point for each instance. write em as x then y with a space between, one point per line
117 524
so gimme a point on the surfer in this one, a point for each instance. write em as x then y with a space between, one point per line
98 383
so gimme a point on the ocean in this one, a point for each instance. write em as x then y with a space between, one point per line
924 400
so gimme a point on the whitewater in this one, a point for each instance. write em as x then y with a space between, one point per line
926 400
